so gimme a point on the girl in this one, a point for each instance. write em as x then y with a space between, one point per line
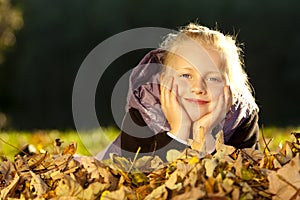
184 93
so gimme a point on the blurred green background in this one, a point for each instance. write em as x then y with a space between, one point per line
48 40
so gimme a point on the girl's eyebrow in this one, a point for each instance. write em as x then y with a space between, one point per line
186 68
192 69
214 72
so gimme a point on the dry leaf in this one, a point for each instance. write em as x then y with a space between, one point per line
94 190
7 171
286 181
68 187
89 165
221 148
38 184
193 194
70 149
210 165
238 164
171 183
138 178
122 193
156 163
159 193
4 192
172 155
190 175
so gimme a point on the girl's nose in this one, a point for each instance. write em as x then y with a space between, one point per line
199 87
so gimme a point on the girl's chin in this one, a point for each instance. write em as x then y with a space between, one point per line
194 117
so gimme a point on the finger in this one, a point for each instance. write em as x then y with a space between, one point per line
166 90
220 109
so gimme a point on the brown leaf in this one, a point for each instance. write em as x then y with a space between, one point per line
108 177
70 149
21 163
90 166
122 193
10 188
238 164
253 154
157 163
68 187
221 147
38 184
143 162
286 181
159 193
183 169
7 171
193 194
235 194
227 184
171 183
94 190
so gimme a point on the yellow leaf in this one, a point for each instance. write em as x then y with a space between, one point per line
70 149
139 178
247 174
193 160
121 193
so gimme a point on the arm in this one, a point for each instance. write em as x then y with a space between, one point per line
202 128
135 133
179 121
246 134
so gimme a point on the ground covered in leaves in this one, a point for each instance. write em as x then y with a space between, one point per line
228 174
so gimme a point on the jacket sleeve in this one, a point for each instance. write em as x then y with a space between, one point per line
246 134
135 133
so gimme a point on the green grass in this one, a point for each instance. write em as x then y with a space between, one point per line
91 142
275 136
88 143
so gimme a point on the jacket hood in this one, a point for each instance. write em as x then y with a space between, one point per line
144 91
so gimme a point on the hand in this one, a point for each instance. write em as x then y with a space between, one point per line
176 115
215 117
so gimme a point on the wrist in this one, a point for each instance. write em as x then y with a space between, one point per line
182 132
199 132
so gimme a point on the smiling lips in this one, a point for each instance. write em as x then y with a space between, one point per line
197 101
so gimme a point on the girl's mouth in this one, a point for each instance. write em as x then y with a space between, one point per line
197 101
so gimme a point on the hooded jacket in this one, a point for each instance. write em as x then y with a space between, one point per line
145 127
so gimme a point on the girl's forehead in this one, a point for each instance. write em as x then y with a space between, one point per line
195 55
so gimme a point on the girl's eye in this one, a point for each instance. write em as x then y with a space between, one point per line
187 76
213 79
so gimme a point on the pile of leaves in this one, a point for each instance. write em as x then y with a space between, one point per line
228 174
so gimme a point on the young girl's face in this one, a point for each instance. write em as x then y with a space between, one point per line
199 80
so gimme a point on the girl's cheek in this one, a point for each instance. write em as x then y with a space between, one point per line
216 91
183 87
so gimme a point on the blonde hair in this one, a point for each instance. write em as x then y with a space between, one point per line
231 55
